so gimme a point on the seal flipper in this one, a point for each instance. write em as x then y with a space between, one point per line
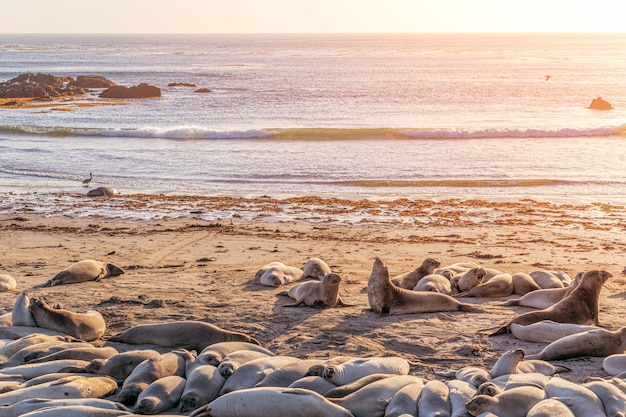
501 330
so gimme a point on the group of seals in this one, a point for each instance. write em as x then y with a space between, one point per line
385 298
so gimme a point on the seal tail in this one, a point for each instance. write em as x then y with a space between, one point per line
501 330
471 309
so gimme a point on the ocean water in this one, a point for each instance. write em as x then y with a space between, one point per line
355 116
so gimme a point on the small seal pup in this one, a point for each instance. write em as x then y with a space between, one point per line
580 307
507 363
598 343
409 280
275 274
7 283
82 271
324 293
160 395
315 268
469 279
434 283
387 299
352 370
215 353
513 402
187 334
204 383
433 400
102 191
87 326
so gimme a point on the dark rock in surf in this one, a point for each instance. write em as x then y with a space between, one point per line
600 104
91 81
39 85
142 90
181 85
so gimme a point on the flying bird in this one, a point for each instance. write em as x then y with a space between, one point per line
548 77
88 180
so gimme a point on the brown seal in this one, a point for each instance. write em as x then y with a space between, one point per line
82 271
188 334
87 326
410 279
499 286
386 299
324 293
580 307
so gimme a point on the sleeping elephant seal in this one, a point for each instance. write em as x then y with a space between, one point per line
324 293
82 271
189 334
275 274
387 299
409 280
102 191
87 326
7 283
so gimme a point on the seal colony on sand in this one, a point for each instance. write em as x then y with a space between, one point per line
387 299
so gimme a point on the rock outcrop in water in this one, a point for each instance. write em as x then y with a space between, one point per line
600 104
39 86
142 90
91 81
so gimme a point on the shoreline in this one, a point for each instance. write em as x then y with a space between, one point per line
200 267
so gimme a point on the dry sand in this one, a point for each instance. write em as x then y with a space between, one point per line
186 264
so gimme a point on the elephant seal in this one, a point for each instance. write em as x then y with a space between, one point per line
34 370
523 283
580 307
498 286
354 369
473 375
204 383
148 371
513 402
287 374
387 299
460 392
372 399
324 293
121 365
544 298
318 370
546 279
102 191
271 402
547 331
68 387
347 389
507 363
82 271
409 280
598 343
83 353
275 274
160 395
10 349
315 268
253 372
614 364
612 398
234 360
215 353
550 407
313 383
26 406
7 283
404 400
20 315
434 283
433 400
466 280
578 398
187 334
87 326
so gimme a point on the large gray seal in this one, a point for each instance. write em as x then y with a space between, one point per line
580 307
387 299
82 271
324 293
598 343
189 334
87 326
409 280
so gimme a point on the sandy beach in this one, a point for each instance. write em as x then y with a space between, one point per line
196 258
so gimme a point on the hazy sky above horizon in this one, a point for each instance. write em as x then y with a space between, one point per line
310 16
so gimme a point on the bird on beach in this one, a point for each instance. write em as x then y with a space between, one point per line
88 180
548 77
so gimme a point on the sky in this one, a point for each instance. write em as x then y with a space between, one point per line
311 16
